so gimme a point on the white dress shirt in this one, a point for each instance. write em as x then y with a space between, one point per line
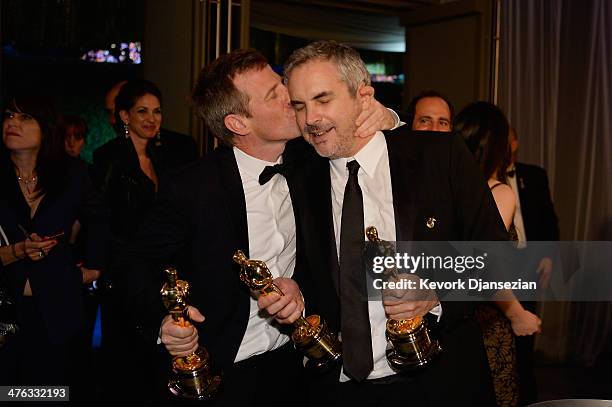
375 182
271 226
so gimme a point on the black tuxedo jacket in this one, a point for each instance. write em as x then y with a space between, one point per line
432 175
197 223
537 210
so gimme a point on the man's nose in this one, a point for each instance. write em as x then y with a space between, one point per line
313 115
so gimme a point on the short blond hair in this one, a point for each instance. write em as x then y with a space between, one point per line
351 67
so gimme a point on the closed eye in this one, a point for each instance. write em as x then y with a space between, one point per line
297 106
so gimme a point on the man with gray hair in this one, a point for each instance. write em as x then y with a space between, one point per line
412 187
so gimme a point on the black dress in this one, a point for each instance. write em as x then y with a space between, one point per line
499 341
129 194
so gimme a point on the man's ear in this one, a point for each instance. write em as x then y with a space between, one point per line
365 94
236 124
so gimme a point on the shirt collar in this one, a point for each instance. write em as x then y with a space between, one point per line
368 157
251 165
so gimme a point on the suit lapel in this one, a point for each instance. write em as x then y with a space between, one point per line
231 183
405 183
520 184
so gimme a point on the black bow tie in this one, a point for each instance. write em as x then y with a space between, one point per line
511 173
271 170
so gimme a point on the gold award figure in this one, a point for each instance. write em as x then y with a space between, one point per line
311 334
191 377
410 345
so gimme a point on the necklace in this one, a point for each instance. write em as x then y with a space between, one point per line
27 181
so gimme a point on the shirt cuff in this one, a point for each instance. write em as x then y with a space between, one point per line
437 311
398 122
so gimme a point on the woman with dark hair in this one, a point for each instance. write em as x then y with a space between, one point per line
74 130
44 193
127 170
485 129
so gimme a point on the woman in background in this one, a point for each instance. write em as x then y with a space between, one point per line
44 193
74 130
127 168
127 172
485 130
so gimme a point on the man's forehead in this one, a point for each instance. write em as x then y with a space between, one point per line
324 67
315 77
433 103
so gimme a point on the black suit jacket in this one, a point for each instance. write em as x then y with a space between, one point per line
432 175
198 221
537 210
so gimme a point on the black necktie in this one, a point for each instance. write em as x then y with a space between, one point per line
271 170
355 319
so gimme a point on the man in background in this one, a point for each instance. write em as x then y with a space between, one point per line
430 110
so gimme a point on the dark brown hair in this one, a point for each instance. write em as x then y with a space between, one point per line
51 159
73 126
484 128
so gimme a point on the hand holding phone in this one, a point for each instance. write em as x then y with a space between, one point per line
53 237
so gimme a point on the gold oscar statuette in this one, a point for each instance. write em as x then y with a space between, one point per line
410 346
191 377
311 335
